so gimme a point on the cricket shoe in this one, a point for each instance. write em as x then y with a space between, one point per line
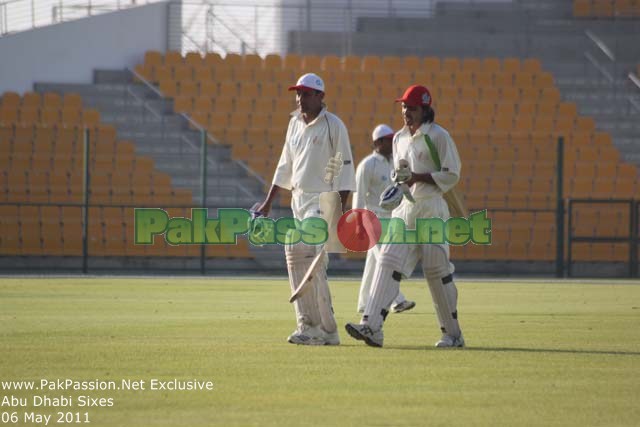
366 334
331 338
450 341
308 335
403 306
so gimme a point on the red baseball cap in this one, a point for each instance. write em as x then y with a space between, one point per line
416 95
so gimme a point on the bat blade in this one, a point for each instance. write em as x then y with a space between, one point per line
307 280
331 210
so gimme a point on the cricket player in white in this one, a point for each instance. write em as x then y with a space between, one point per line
372 177
314 136
423 144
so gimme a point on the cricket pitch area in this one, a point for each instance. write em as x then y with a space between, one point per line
546 353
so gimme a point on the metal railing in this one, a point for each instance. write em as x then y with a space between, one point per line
256 26
22 15
630 239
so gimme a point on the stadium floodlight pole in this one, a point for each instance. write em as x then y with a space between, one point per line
560 210
203 192
85 201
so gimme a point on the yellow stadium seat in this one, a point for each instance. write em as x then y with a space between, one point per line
183 104
371 63
352 63
31 100
463 78
581 8
503 79
602 8
182 72
524 79
152 58
169 88
273 61
511 65
482 79
311 64
411 63
431 64
391 63
188 88
172 58
292 62
472 65
543 80
9 115
51 100
193 59
252 61
330 63
491 65
450 65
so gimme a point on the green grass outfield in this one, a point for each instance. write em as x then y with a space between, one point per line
547 354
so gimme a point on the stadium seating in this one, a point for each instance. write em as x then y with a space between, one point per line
41 184
606 8
505 116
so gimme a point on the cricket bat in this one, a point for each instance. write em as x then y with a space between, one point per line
330 210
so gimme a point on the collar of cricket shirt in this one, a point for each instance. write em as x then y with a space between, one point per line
380 157
298 115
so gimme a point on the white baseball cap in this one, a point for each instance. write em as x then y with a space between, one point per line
382 131
309 81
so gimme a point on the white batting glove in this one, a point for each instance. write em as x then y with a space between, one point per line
333 169
406 192
402 173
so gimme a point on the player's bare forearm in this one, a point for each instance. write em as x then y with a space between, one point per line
265 207
344 195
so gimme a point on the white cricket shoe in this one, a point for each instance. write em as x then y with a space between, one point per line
366 334
331 338
307 335
403 306
450 341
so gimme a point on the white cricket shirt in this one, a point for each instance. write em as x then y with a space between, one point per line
307 150
414 149
372 177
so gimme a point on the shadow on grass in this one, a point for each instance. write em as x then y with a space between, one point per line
518 350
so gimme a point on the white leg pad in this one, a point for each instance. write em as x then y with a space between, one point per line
367 277
385 285
323 300
299 258
435 264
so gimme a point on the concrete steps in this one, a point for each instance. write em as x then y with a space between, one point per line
141 116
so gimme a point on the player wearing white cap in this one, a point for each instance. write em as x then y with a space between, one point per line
372 177
313 137
434 168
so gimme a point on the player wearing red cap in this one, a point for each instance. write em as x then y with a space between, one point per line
434 168
372 177
313 138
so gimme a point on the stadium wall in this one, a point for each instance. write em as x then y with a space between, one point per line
69 52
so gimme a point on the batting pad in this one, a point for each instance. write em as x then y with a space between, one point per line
331 210
385 286
435 264
323 300
367 278
299 258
